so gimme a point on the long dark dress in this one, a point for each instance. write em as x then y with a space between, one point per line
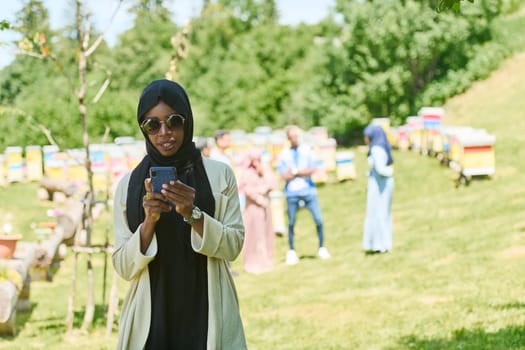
179 291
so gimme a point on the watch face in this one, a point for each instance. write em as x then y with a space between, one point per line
196 213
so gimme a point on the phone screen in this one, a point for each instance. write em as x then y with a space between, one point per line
161 175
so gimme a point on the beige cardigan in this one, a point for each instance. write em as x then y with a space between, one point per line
222 241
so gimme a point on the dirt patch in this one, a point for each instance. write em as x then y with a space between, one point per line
513 252
433 299
445 261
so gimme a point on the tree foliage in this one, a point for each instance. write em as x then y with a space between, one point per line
244 69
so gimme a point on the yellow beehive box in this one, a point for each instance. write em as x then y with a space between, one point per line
278 142
55 166
402 138
414 125
277 204
326 150
478 160
14 164
34 163
318 133
320 175
345 166
435 142
451 146
477 153
76 168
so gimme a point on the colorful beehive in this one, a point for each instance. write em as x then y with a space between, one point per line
239 144
76 167
134 152
402 138
431 134
345 166
258 140
451 147
54 162
118 164
320 175
277 204
263 131
14 164
261 137
477 155
435 143
34 163
318 134
415 129
278 142
326 150
99 158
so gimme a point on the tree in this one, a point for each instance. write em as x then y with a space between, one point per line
32 22
243 69
33 16
86 48
455 5
389 54
248 80
4 25
145 48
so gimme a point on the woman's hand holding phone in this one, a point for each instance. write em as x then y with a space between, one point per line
163 186
181 196
154 203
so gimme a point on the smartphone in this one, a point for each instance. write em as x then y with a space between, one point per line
162 175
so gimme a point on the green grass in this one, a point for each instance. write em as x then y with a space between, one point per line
19 201
453 280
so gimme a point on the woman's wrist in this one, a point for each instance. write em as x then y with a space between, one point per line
149 223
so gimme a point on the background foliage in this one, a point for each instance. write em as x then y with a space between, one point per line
244 69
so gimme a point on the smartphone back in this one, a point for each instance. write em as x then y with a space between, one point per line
162 175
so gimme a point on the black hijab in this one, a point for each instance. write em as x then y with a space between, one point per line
187 160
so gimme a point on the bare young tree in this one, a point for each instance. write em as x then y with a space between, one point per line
86 47
180 45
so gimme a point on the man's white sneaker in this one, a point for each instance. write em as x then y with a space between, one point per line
323 253
291 257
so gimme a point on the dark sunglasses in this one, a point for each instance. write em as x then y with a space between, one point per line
152 126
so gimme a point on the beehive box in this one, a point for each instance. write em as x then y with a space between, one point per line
477 153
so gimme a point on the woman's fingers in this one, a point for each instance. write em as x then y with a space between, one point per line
148 185
181 195
154 203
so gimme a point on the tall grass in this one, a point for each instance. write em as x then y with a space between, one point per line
453 280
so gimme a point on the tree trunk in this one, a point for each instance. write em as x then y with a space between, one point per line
71 302
83 28
112 305
90 304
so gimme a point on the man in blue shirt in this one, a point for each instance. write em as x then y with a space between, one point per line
296 166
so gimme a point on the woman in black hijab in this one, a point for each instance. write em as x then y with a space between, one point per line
174 246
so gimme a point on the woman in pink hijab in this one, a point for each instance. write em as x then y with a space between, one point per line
256 181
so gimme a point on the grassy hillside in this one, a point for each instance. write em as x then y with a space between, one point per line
454 279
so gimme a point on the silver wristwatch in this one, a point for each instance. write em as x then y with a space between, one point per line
196 214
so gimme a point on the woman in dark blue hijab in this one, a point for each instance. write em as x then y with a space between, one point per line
377 236
377 137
